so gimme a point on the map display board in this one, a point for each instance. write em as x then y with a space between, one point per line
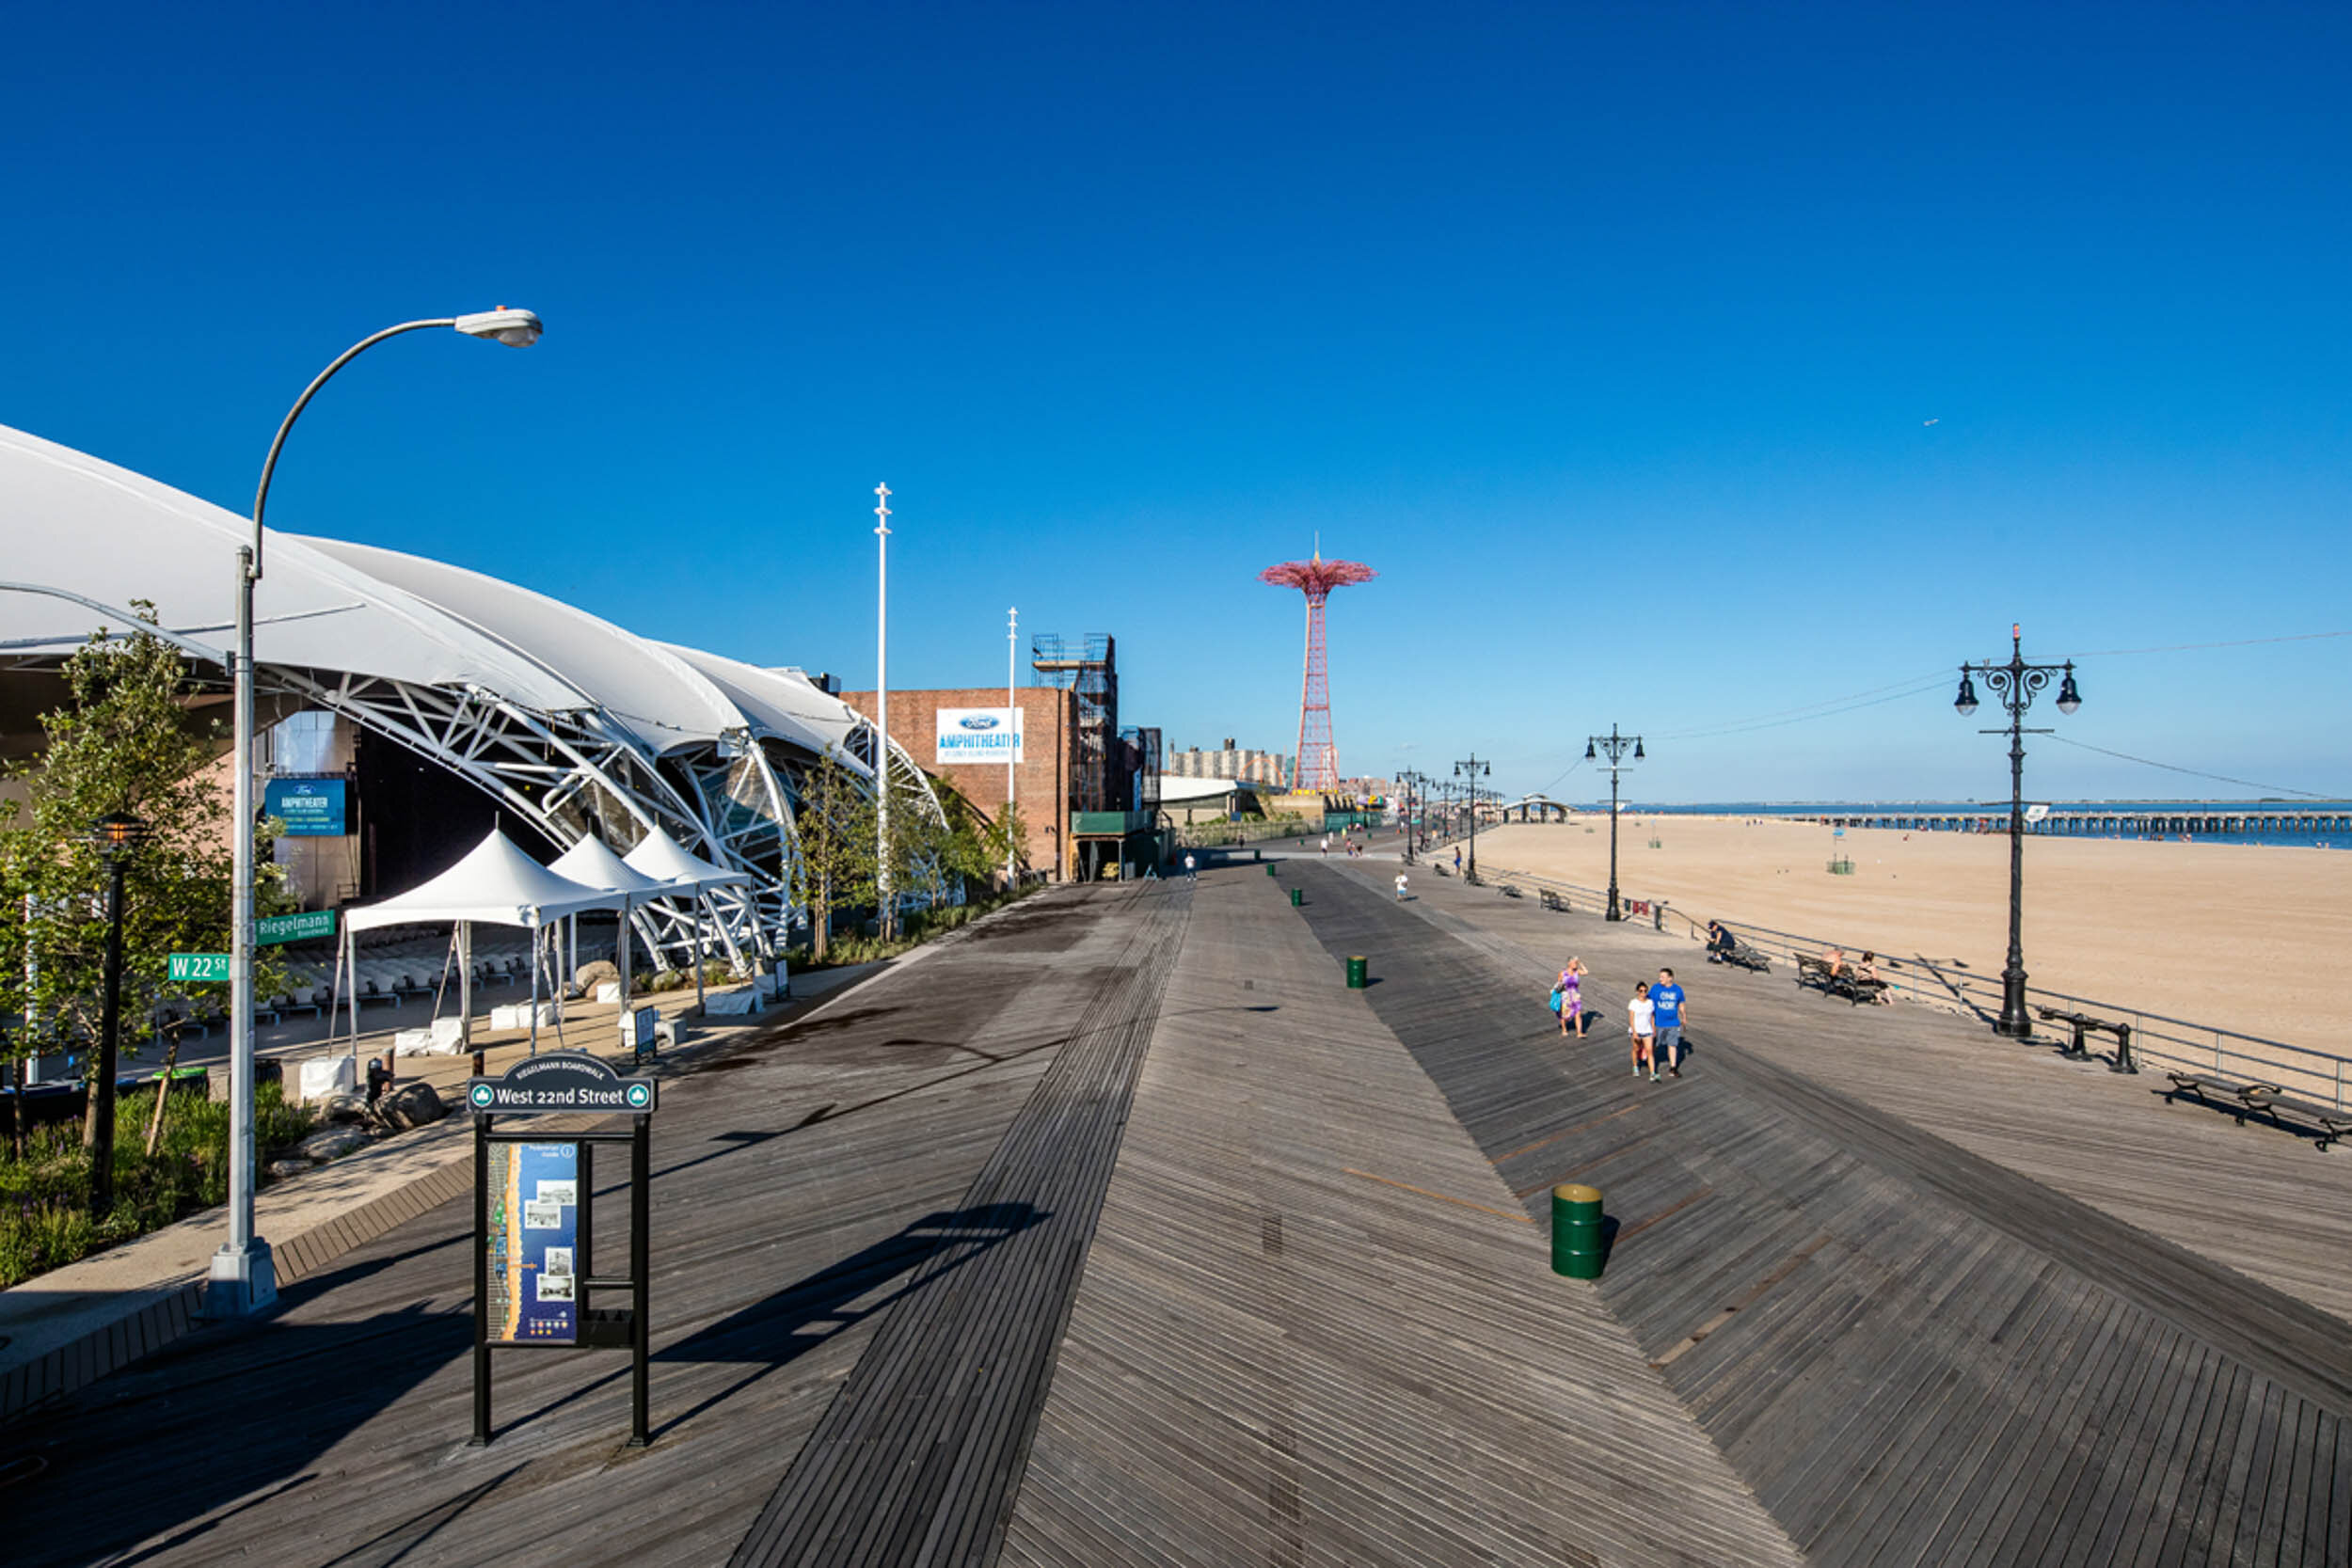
534 1236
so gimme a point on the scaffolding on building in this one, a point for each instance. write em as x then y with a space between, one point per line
1098 779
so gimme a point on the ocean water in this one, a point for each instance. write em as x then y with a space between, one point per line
2324 837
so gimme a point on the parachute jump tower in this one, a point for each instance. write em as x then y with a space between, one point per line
1317 767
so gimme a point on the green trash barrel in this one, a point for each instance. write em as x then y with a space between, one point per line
1576 1231
1269 869
1257 854
1298 897
1355 973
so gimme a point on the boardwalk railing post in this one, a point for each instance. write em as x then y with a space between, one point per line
1576 1231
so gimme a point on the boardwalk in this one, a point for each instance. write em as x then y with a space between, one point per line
1913 1354
1117 1231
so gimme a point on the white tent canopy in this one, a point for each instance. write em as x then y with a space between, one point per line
664 857
496 884
593 864
659 855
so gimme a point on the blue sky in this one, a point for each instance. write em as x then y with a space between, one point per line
1609 334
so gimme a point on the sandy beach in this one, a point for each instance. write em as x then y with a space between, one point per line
2250 936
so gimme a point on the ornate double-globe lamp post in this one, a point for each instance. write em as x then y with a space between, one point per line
242 1277
2015 684
1615 746
118 837
1471 771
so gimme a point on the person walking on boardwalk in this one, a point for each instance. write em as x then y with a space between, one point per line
1667 1002
1400 887
1457 860
1640 1023
1573 1017
1188 871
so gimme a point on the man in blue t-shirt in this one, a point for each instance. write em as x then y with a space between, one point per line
1667 999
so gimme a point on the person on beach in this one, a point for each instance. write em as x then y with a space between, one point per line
1640 1024
1573 1017
1667 1003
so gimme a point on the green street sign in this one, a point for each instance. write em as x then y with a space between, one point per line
293 928
200 968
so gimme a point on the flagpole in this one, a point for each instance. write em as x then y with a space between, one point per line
1012 743
881 709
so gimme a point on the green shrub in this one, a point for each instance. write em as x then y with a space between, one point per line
44 1197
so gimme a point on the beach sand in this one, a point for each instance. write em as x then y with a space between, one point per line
2254 937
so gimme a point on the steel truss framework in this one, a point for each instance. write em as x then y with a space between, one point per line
574 773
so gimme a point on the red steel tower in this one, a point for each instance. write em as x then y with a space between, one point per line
1318 762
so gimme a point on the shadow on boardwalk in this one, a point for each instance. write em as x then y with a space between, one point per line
245 1415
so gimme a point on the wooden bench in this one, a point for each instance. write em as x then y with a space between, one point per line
2213 1089
2084 1024
1817 973
1551 900
1739 955
2260 1099
2327 1125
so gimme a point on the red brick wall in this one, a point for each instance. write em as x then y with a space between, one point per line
1042 783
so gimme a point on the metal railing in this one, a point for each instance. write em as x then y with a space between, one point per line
2322 1077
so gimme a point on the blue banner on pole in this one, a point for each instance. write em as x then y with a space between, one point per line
310 808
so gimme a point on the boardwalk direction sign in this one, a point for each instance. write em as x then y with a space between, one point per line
561 1081
534 1207
196 969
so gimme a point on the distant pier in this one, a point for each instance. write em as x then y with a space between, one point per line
2103 823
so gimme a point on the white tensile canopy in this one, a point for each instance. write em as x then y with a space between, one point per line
496 884
592 862
659 855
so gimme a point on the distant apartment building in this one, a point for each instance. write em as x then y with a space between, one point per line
1240 764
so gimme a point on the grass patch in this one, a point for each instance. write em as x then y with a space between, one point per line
46 1221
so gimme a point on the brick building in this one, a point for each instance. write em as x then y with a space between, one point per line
1041 776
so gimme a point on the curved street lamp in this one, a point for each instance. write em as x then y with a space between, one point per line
242 1277
2016 683
1615 745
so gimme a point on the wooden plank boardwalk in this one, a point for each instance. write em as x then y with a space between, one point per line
1914 1353
1315 1327
812 1184
918 1456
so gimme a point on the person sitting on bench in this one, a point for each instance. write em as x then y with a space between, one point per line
1720 942
1866 973
1835 961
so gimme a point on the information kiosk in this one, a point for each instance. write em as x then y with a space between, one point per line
534 1211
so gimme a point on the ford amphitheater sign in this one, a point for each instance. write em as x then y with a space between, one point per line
978 735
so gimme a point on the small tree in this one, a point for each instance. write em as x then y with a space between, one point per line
124 740
835 823
1003 841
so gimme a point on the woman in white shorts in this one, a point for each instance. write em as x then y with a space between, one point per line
1641 1021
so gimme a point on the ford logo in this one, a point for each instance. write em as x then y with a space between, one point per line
978 722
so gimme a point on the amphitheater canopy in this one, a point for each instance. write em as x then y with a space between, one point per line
575 725
73 522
